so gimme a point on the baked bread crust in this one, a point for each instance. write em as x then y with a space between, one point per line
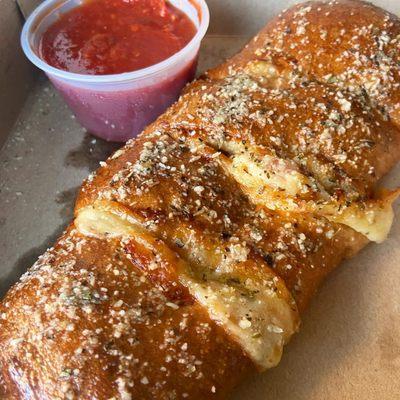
84 323
195 248
350 43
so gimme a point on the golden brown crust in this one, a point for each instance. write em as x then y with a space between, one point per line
84 323
176 226
351 43
331 134
202 199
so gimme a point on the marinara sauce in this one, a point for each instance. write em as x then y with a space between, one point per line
103 37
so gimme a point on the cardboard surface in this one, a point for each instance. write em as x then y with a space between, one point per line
16 73
348 346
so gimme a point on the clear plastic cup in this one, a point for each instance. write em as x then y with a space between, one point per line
118 107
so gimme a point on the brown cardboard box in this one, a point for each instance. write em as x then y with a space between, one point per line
348 346
16 76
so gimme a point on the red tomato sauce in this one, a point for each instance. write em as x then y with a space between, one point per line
103 37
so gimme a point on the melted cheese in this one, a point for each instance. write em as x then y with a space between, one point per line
277 186
373 219
270 180
99 222
269 74
259 314
261 324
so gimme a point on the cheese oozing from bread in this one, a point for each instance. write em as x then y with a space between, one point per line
277 185
252 304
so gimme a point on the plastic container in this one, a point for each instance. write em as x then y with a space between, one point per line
118 107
